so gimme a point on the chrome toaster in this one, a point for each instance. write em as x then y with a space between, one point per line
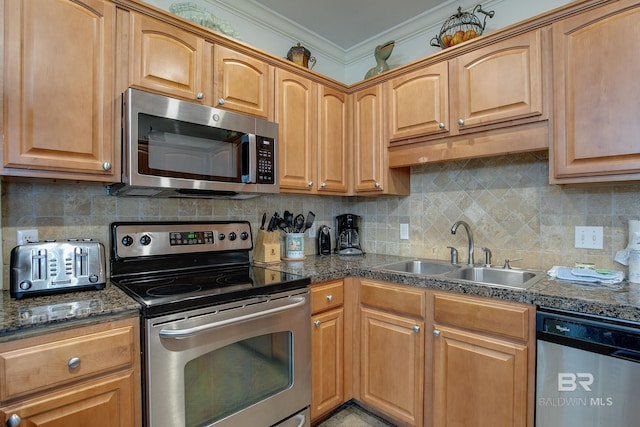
45 268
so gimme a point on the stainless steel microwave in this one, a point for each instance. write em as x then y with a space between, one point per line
175 148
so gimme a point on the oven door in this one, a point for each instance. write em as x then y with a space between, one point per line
239 364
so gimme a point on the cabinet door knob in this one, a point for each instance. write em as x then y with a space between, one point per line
310 184
461 122
14 420
376 185
329 298
74 362
436 333
441 126
416 328
199 95
323 185
106 166
316 323
221 101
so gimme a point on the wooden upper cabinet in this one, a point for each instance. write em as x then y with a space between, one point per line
333 141
371 174
418 102
59 89
242 83
499 82
169 60
596 93
295 112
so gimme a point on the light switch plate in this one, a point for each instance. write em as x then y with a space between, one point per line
404 231
589 237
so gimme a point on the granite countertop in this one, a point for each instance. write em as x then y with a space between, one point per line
30 316
45 314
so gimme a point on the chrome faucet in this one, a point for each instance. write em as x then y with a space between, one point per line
454 228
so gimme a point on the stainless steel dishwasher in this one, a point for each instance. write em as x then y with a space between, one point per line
588 371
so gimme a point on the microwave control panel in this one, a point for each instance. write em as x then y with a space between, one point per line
266 160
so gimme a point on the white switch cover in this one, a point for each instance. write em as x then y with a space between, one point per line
588 237
404 231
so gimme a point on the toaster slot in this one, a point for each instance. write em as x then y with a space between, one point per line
38 264
81 261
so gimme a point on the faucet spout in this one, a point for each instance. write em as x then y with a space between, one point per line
454 228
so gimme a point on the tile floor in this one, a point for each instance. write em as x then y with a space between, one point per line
351 415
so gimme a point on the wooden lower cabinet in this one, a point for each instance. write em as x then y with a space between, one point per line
88 376
392 365
483 369
478 381
327 347
392 351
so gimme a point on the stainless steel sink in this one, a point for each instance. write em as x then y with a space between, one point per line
426 267
509 278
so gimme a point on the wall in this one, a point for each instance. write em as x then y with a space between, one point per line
507 201
272 33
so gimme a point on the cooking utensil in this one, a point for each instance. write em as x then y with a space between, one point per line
288 216
284 226
264 218
298 223
310 218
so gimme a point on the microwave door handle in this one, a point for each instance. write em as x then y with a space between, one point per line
249 155
179 334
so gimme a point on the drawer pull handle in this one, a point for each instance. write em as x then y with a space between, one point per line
74 362
329 298
14 420
316 323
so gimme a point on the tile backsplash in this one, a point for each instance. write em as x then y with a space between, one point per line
507 200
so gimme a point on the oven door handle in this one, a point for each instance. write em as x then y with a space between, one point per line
180 334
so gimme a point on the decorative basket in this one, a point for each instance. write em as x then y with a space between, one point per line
461 27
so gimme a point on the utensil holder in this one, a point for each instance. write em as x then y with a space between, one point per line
294 246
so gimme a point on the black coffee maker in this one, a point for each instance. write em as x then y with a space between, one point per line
347 235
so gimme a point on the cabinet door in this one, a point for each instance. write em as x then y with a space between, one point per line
478 381
108 402
169 60
368 144
295 112
499 82
392 365
242 83
59 87
333 141
418 102
596 94
327 368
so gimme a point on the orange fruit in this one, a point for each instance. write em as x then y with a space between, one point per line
469 34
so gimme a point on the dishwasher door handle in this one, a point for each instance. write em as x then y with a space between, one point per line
189 332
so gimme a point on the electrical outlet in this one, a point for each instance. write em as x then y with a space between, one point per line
404 231
588 238
26 236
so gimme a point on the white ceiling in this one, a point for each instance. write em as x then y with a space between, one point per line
347 23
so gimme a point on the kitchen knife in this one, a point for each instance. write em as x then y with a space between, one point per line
273 222
264 219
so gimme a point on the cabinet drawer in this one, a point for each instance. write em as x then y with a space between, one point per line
394 298
32 365
496 318
327 296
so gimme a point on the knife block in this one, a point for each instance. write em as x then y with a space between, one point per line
267 247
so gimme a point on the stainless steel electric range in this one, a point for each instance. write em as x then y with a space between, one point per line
225 343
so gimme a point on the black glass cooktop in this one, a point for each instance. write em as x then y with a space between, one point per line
167 293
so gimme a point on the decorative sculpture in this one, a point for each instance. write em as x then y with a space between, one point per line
381 53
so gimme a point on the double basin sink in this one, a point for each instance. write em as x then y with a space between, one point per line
493 276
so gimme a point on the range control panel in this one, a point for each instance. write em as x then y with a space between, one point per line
149 239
